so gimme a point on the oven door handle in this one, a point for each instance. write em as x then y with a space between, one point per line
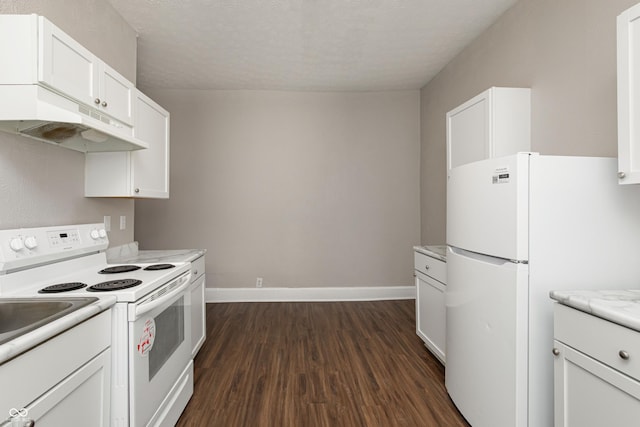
153 303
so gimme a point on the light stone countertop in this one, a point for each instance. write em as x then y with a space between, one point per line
31 339
433 251
131 254
621 307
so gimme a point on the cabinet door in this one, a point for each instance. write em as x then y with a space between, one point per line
431 315
150 167
495 123
116 94
198 315
468 131
81 399
628 96
141 173
65 65
588 393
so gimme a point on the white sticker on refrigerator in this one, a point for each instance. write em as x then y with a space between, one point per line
500 176
145 343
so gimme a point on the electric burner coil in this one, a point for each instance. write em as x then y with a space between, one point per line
114 285
159 267
119 269
62 287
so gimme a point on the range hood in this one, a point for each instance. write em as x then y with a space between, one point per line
36 112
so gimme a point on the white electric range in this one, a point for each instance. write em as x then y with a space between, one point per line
152 370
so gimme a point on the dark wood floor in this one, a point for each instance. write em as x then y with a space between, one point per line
317 364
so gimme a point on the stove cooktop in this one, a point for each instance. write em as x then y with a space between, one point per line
109 285
86 276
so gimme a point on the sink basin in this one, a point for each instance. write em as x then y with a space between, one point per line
21 315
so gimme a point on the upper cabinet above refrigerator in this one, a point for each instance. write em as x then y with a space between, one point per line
495 123
628 96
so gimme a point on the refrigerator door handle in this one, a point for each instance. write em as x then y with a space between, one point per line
484 258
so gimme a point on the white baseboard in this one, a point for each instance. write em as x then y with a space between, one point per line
369 293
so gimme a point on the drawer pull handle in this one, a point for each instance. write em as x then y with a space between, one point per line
426 267
623 355
555 352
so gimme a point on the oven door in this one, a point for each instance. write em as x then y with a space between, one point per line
159 348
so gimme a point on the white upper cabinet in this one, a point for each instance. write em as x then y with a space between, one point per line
495 123
115 94
151 166
142 173
68 67
42 53
65 65
629 96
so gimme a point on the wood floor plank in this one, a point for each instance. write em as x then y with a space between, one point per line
317 364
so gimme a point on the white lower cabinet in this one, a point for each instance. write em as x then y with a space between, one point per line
78 399
198 306
430 307
595 371
65 381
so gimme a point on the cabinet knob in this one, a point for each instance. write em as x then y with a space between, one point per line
104 103
623 355
97 100
137 190
555 352
426 267
621 175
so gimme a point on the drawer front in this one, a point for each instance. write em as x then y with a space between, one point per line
197 268
430 266
598 338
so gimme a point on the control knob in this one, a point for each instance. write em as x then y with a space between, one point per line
95 234
103 233
16 244
30 242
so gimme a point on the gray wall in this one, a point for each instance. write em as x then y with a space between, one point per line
302 189
41 184
565 51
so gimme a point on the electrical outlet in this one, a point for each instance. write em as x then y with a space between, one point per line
107 222
259 282
123 222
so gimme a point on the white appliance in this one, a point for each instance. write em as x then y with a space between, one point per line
517 227
40 113
152 370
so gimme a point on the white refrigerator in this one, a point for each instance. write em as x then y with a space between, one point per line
518 227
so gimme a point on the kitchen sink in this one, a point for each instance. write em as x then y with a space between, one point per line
19 316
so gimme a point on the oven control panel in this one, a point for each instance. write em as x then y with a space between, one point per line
64 238
31 246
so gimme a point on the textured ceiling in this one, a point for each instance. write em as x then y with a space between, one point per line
301 44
